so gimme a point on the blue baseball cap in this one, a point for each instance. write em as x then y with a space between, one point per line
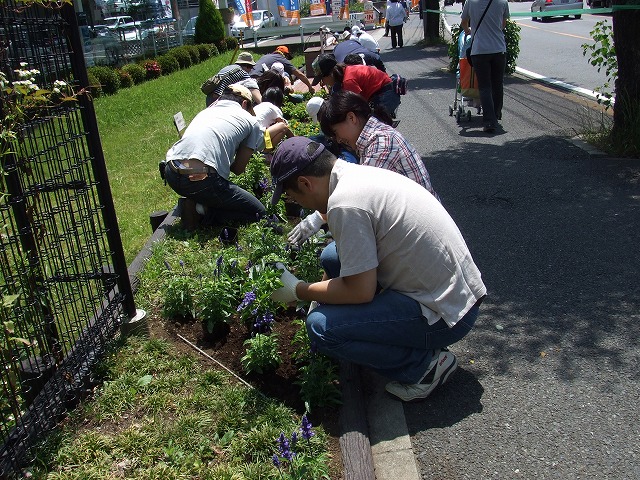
292 156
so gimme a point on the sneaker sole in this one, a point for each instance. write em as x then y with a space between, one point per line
443 379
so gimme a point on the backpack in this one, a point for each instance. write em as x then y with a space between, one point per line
399 84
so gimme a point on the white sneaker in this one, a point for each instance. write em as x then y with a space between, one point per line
446 364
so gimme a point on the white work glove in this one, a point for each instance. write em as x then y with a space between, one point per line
286 293
307 227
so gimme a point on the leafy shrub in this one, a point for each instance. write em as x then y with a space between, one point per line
152 68
94 85
194 53
213 49
204 51
222 45
136 71
125 79
262 354
168 64
231 43
182 56
178 297
107 78
209 25
319 382
215 302
511 36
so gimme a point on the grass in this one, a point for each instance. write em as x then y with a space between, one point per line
162 415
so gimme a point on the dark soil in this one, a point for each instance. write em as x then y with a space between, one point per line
279 384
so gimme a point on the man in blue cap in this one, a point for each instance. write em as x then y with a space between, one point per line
405 287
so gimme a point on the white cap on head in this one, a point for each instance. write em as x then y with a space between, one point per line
355 30
313 105
278 67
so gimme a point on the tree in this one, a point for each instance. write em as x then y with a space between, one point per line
626 111
209 25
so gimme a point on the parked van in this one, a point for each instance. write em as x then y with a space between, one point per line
119 21
261 19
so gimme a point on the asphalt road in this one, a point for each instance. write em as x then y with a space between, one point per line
553 47
548 381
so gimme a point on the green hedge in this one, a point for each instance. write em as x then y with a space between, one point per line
108 80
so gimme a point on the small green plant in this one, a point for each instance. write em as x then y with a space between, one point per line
125 79
300 459
319 382
602 54
178 295
214 302
256 303
262 354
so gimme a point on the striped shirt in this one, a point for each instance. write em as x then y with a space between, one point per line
381 145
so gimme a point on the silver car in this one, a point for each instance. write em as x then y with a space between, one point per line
555 6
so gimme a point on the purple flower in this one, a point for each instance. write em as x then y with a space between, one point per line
219 261
248 299
276 460
182 263
294 439
166 264
263 323
285 450
305 429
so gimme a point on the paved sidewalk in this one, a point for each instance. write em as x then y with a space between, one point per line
548 380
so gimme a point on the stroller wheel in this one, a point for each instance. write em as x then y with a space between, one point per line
468 115
450 110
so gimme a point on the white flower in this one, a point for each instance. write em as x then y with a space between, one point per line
23 64
56 90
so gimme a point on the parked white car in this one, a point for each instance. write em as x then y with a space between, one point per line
261 19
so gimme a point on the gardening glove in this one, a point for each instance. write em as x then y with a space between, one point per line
286 293
307 227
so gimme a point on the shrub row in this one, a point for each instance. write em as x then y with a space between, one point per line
108 80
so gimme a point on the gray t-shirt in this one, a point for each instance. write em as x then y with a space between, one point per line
381 219
489 38
216 133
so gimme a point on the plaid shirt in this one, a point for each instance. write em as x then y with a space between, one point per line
381 145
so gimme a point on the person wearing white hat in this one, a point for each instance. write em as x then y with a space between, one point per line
365 39
313 106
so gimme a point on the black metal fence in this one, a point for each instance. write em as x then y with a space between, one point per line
64 286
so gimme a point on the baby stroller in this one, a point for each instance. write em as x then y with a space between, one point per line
466 92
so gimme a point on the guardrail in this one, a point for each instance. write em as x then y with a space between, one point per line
301 30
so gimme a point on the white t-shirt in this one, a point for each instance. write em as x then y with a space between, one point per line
267 113
368 42
216 133
383 220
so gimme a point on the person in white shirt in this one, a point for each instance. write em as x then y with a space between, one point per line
365 39
270 117
407 287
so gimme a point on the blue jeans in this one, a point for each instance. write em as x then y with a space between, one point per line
225 202
387 98
388 334
489 69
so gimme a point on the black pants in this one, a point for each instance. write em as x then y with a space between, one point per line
490 72
396 36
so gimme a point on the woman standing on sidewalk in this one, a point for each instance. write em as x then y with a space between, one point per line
396 15
486 20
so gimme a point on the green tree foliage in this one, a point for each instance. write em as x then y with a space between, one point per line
512 38
209 26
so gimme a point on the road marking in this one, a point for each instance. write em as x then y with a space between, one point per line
535 27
